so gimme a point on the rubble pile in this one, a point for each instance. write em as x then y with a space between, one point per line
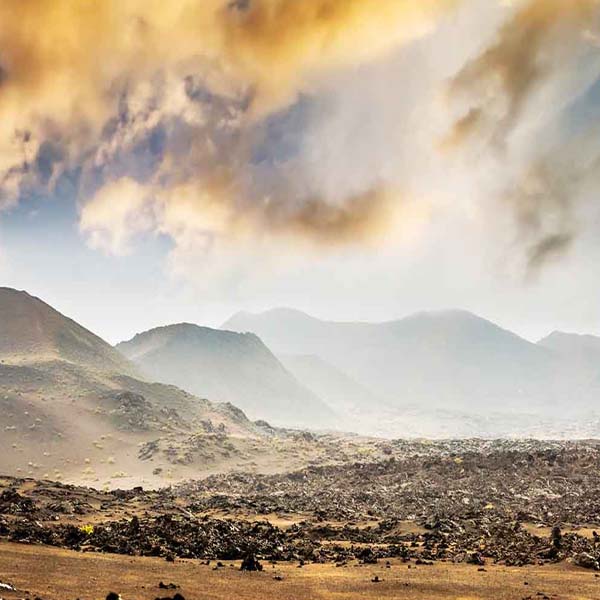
164 536
540 485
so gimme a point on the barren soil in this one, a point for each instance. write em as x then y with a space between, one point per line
55 574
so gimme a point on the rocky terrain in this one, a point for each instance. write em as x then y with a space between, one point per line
481 503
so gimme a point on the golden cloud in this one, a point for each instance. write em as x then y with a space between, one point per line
72 71
124 209
157 104
278 42
66 63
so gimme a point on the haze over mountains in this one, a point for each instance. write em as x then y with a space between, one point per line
342 393
227 367
578 351
443 365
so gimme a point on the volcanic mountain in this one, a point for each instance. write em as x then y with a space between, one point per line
73 407
227 366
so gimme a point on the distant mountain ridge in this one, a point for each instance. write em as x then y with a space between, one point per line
227 366
573 345
431 374
446 360
580 353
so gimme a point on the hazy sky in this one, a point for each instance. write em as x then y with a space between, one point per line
357 159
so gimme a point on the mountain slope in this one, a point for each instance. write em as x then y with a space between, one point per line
580 354
31 328
450 360
346 396
227 366
72 407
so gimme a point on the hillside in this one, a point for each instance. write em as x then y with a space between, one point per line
229 367
346 396
73 408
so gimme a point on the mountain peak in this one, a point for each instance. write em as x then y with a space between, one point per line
13 291
570 343
228 367
32 331
280 314
448 314
565 335
145 341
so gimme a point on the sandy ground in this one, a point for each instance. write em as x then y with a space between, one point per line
54 574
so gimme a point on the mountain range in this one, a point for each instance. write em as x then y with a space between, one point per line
452 362
184 397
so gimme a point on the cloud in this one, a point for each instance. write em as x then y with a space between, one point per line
542 201
277 42
517 97
529 48
311 122
116 214
554 199
160 115
66 69
359 218
124 209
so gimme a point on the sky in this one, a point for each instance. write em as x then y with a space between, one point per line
355 159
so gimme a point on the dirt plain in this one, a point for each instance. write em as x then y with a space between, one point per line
56 574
